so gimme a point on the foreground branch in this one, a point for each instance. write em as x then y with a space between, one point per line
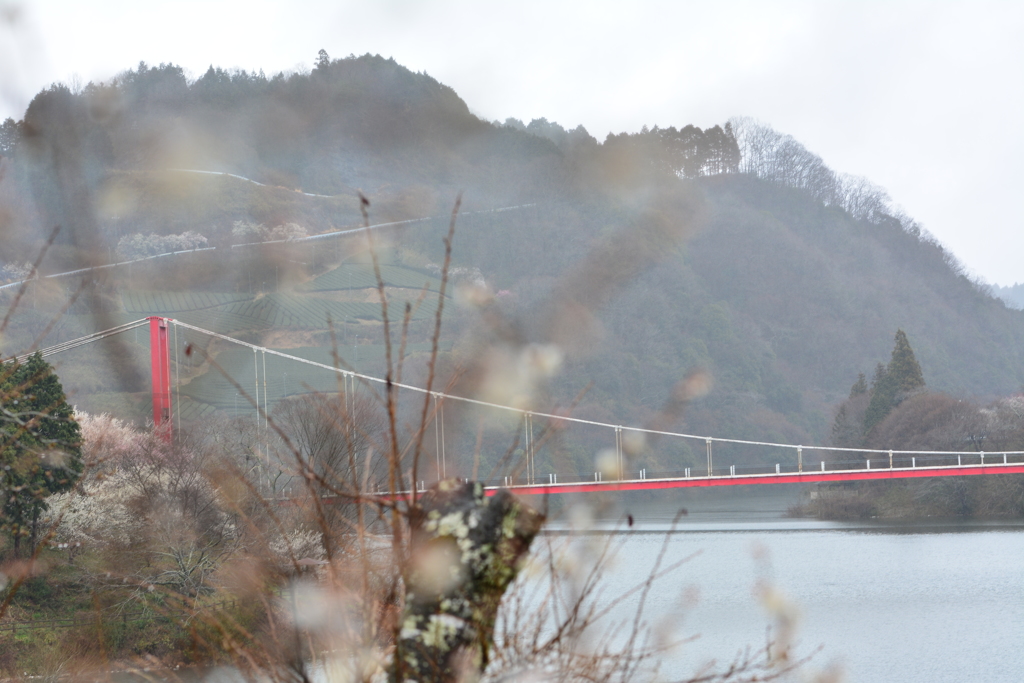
466 550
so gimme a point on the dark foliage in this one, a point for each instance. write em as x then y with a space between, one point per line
41 445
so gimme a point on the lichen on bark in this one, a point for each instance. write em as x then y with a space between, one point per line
465 550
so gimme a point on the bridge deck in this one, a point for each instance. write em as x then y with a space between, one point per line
806 477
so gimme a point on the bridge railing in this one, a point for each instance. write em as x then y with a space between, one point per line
845 463
724 456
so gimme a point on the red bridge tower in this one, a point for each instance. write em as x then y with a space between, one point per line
160 357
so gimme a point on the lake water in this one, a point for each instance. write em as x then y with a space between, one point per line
927 602
915 603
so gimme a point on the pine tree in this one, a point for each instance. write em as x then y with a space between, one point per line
878 377
323 61
40 445
844 433
903 367
860 386
894 382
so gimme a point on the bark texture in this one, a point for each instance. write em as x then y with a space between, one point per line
466 549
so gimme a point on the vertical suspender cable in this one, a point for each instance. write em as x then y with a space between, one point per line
526 446
530 469
266 425
437 440
618 450
266 403
532 449
256 369
345 413
177 379
444 461
350 397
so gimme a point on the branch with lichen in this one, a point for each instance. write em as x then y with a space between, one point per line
465 551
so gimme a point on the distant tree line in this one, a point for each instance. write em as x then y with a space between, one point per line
10 134
867 407
780 159
897 411
552 131
688 152
1013 295
139 245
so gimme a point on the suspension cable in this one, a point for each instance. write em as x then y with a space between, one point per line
81 341
353 376
562 418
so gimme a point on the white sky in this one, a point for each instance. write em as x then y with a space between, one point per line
926 99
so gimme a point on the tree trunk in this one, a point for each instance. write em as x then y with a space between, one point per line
465 550
35 528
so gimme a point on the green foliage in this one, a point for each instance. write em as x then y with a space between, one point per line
883 400
860 386
689 152
903 369
892 385
41 447
10 137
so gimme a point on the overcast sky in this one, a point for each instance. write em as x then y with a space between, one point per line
925 99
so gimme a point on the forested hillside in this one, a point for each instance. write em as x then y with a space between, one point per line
750 257
1012 295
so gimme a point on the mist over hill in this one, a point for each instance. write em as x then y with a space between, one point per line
749 257
1013 294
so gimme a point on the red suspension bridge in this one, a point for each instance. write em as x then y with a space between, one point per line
865 464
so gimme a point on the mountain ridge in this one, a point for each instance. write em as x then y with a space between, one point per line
796 281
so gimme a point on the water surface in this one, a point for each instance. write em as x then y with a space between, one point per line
925 602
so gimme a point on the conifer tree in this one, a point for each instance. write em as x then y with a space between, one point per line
904 370
40 445
894 382
860 386
845 433
878 377
323 61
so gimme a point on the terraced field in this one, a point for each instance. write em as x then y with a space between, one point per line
361 276
189 409
228 312
304 309
302 312
136 301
